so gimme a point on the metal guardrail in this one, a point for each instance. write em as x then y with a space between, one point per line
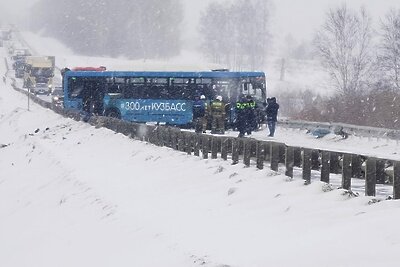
349 129
256 153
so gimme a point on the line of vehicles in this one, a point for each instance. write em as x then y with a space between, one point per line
36 72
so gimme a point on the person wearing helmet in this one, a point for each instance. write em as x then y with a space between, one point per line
199 113
217 110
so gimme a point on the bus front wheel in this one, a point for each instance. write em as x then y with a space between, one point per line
113 114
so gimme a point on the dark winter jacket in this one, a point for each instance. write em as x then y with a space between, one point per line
272 110
199 108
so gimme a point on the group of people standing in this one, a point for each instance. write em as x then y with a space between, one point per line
202 111
246 115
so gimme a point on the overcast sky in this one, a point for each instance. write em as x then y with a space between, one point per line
295 17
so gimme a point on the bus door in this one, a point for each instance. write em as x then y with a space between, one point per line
229 89
255 87
73 93
86 94
92 96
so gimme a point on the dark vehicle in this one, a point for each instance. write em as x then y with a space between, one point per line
57 97
19 66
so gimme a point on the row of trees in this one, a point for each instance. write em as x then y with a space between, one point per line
355 62
364 70
134 28
236 33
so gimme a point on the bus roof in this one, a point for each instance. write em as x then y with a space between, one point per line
164 74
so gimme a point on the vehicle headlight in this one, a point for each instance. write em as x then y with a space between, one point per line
56 98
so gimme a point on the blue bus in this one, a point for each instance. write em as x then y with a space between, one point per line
159 97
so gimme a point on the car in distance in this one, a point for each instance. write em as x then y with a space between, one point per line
57 97
41 89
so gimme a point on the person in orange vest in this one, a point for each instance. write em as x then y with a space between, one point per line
217 113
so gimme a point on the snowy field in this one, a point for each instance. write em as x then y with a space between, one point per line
74 195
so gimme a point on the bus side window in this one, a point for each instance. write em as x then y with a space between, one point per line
129 91
164 93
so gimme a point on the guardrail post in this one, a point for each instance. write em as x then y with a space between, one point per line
235 151
149 136
274 154
315 160
214 147
247 152
224 148
163 136
188 143
335 165
307 165
205 146
196 145
174 139
181 141
167 137
370 177
282 153
260 155
346 171
241 145
134 128
160 135
158 138
267 151
325 168
297 157
356 164
289 161
396 180
380 172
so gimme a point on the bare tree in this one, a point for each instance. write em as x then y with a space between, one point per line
214 28
389 56
343 44
236 34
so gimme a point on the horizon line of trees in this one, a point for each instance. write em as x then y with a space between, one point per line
142 29
363 63
364 71
236 33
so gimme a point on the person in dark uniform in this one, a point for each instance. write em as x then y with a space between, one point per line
251 121
241 116
272 114
199 112
206 114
